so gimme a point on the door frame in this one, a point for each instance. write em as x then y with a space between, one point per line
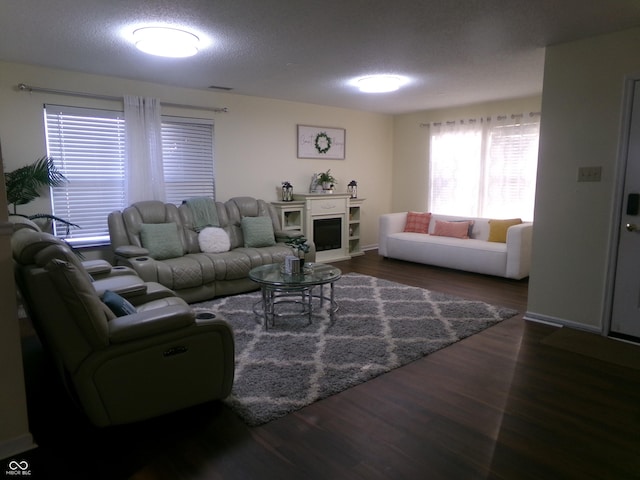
620 168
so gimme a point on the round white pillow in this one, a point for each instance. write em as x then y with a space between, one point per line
214 240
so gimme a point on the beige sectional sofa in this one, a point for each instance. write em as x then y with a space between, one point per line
252 227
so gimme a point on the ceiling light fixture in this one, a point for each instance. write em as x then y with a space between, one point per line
166 42
379 83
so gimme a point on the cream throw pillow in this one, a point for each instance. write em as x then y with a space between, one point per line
214 240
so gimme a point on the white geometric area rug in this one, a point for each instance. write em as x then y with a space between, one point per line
380 325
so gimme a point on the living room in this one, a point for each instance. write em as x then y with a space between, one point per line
583 105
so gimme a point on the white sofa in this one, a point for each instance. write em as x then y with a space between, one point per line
476 254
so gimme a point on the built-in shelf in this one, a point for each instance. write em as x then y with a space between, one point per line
291 215
355 212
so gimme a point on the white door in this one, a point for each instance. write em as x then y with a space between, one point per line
625 315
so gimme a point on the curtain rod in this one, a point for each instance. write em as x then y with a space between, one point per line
23 87
499 117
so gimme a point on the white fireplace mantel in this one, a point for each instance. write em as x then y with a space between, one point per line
323 206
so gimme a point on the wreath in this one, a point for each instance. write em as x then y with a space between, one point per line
322 136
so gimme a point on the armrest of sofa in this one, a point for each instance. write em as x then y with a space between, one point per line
100 269
97 267
130 251
389 223
148 323
519 239
125 285
144 266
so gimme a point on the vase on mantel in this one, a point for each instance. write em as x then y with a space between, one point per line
327 187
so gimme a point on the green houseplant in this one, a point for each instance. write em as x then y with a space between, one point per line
326 179
25 184
299 245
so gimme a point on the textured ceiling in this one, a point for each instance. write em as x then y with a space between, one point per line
454 52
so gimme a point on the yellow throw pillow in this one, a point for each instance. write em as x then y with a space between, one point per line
498 229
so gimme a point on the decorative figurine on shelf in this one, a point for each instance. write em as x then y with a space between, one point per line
287 191
314 185
352 189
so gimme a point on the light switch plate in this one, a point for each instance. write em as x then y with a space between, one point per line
589 174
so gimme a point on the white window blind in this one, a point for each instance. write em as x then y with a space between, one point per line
511 168
484 168
88 148
187 155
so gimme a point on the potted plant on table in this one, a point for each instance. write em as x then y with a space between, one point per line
299 245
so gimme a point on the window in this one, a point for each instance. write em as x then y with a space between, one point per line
187 155
484 168
88 146
511 167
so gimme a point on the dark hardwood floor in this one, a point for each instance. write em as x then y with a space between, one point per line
499 404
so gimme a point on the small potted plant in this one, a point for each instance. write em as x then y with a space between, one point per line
327 180
299 245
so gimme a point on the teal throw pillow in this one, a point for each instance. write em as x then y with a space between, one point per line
161 239
118 305
258 232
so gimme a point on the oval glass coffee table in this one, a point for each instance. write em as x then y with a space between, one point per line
294 288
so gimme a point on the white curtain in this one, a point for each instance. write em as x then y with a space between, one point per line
454 168
484 167
144 177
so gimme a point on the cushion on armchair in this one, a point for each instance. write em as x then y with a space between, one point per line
117 304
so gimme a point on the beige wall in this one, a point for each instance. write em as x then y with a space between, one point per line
411 146
255 143
582 121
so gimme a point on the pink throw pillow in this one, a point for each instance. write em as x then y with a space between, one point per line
452 229
417 222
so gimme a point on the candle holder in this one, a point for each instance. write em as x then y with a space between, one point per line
287 192
352 189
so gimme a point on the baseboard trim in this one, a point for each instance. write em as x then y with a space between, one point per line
559 322
17 445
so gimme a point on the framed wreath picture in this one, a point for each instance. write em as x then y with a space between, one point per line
321 142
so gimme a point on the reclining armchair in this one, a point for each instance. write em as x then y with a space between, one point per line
121 365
